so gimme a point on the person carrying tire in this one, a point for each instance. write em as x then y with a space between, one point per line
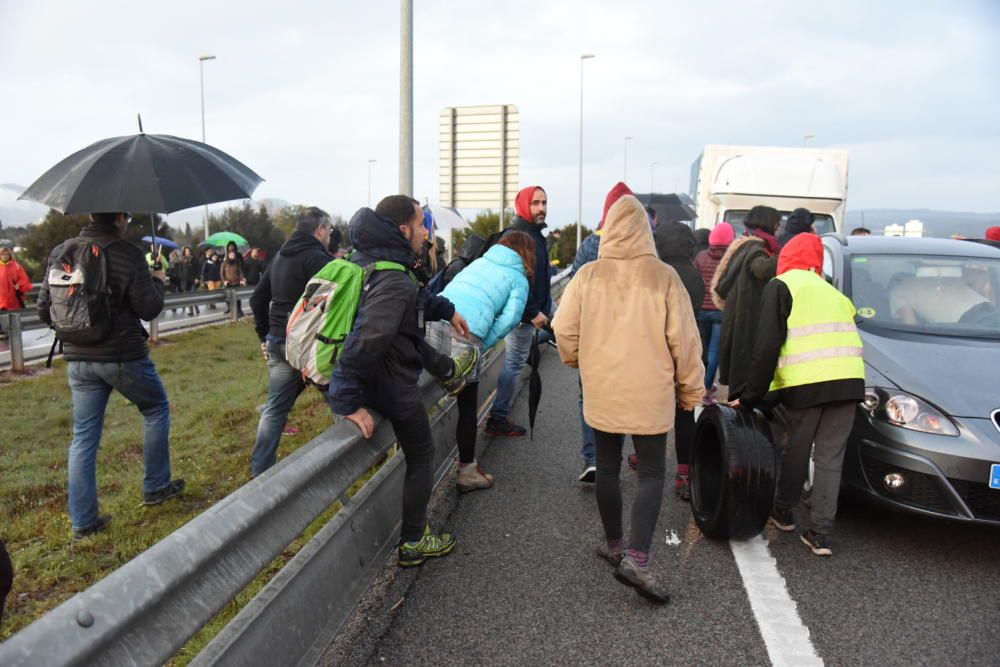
808 361
631 379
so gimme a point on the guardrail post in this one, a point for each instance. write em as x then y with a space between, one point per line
231 298
16 341
154 329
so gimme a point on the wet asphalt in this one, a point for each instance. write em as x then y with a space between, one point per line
523 586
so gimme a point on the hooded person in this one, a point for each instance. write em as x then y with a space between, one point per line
737 288
587 253
631 379
709 315
701 240
807 361
531 206
800 221
675 246
14 281
383 357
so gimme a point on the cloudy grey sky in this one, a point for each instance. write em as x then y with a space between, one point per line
307 92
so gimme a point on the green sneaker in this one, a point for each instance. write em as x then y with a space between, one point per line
412 554
465 363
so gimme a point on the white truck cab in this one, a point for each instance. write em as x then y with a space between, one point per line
727 181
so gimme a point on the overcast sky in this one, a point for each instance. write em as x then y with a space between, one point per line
307 92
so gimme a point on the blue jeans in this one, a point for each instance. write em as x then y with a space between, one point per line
91 383
589 448
515 357
710 326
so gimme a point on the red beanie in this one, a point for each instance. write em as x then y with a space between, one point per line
522 202
617 192
993 234
722 234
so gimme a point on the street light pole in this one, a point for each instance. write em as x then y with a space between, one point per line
406 98
370 163
201 71
579 184
625 177
806 138
652 177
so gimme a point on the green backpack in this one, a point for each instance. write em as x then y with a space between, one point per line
324 315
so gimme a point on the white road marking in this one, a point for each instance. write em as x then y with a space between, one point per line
786 638
673 539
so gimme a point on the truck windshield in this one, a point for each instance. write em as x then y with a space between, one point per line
823 224
927 294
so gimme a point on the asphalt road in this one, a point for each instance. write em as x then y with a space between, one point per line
524 587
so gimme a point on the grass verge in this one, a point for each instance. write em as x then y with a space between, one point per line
215 379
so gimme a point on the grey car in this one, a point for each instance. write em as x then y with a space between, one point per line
927 437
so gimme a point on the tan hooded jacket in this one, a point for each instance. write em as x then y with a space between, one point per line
626 322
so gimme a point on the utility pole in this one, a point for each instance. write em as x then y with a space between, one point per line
406 98
201 70
625 177
370 163
579 185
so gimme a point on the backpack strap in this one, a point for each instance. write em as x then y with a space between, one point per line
389 266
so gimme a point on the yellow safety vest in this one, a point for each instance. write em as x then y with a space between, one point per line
822 342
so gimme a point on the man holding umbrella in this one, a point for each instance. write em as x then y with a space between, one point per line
121 362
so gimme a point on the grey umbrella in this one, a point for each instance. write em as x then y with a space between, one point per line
154 173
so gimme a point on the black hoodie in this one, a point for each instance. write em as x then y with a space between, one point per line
539 292
388 332
675 246
800 221
283 282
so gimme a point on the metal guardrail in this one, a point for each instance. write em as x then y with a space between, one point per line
144 612
17 322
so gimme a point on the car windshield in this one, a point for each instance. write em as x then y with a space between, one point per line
822 225
954 296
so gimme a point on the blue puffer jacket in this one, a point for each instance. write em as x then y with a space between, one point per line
491 294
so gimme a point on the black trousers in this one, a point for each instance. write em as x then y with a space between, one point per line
652 453
468 422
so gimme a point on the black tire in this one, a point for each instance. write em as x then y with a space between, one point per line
733 468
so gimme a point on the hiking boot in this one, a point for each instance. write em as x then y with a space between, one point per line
412 554
98 526
501 426
633 461
817 543
610 554
472 478
171 490
641 578
464 364
589 474
782 520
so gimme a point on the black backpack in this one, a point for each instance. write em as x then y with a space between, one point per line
79 294
441 279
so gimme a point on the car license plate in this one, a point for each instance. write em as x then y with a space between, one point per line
995 476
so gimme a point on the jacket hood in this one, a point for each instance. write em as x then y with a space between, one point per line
504 256
616 193
379 238
522 202
804 251
730 267
299 242
721 235
626 231
674 240
800 220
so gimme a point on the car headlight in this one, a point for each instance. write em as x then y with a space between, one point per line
906 411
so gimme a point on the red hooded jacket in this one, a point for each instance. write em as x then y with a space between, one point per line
522 202
804 251
14 283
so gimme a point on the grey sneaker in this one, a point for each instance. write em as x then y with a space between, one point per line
613 556
160 496
642 580
99 526
473 478
465 363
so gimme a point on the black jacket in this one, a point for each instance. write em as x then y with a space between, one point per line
211 271
675 246
387 335
775 307
540 292
283 282
800 221
135 296
253 270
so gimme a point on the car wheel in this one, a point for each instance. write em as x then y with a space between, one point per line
732 473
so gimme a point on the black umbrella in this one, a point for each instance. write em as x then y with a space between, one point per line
534 382
670 207
154 173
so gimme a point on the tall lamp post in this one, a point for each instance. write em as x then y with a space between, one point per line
652 177
201 71
406 98
625 177
806 138
370 163
579 184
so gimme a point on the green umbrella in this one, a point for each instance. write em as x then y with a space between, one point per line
219 239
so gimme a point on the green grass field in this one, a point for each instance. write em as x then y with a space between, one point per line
216 378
